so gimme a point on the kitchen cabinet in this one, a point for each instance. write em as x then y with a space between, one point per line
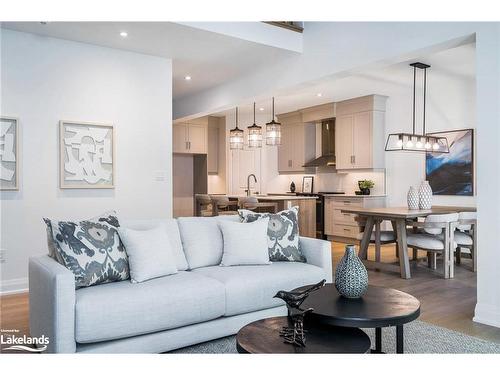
360 132
345 227
298 143
189 137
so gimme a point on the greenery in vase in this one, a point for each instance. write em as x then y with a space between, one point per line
366 184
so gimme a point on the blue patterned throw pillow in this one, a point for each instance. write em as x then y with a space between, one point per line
91 249
282 234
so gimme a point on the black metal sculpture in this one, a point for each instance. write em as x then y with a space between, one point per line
295 335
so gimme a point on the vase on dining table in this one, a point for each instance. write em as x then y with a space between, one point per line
412 198
425 196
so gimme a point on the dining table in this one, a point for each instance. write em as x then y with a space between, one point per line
398 216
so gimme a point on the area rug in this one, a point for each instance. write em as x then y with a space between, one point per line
420 337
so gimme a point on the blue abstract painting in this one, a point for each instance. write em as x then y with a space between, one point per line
452 173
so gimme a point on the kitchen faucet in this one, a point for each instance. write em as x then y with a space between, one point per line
248 183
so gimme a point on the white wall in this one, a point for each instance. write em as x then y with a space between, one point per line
45 80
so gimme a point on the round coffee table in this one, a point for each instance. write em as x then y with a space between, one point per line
263 337
378 307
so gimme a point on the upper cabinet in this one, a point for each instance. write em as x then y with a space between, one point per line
359 133
298 143
190 137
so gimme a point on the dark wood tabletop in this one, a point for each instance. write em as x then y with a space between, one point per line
263 337
378 307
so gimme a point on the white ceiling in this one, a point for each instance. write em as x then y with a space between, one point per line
209 58
458 62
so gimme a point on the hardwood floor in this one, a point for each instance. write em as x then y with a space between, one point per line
447 303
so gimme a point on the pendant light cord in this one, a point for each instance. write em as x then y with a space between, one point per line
254 112
236 117
414 91
425 91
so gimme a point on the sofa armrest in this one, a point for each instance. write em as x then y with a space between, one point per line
318 253
52 303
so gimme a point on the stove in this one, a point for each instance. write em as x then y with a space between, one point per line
320 210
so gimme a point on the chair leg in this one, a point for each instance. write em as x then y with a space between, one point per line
415 254
458 252
431 260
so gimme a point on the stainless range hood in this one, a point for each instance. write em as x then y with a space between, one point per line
327 158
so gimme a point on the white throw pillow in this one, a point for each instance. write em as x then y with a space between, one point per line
149 253
244 243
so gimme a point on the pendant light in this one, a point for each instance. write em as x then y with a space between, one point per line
414 141
236 136
254 133
273 132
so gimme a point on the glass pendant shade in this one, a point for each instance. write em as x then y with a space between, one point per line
254 133
273 132
413 141
236 138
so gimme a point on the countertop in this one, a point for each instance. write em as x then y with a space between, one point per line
356 196
275 197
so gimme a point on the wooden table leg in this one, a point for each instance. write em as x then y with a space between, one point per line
394 229
377 240
365 241
404 262
399 340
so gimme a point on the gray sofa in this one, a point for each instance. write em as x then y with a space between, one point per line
166 313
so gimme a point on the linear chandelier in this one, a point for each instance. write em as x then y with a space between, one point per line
414 141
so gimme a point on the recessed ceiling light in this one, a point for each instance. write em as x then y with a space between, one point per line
319 94
123 34
187 78
261 108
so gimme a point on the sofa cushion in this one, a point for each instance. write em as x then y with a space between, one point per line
282 232
92 250
252 288
122 309
244 243
149 253
201 240
173 234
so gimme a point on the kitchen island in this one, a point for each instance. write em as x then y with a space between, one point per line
307 209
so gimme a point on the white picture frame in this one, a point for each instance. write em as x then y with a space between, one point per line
86 155
307 184
10 153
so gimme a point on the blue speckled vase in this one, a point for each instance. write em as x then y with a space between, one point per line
351 277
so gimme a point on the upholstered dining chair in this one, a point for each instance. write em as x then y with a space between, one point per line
203 204
252 203
465 237
436 236
385 237
224 206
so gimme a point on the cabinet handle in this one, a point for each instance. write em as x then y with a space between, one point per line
354 159
347 202
187 145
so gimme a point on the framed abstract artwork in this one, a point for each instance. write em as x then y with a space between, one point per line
87 155
9 153
453 173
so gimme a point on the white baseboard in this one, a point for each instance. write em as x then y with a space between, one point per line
487 314
14 286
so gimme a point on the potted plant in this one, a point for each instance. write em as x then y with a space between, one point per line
365 186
